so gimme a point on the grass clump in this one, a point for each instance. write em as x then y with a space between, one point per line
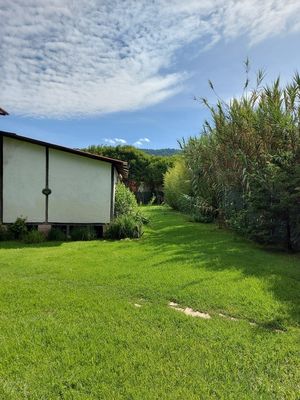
18 229
5 234
129 220
83 233
57 235
125 226
33 236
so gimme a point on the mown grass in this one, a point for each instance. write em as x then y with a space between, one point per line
69 328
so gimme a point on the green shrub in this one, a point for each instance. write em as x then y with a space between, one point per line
125 226
125 201
177 185
33 236
57 235
129 220
83 233
18 229
5 234
140 217
202 218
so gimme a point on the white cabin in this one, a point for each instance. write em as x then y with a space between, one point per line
55 185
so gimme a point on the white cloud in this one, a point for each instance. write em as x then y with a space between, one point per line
115 141
64 58
119 141
141 142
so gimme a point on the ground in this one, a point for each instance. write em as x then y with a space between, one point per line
91 320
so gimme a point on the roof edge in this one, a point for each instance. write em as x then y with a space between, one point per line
122 166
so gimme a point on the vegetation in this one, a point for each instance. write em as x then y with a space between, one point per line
83 233
128 221
177 185
56 234
34 236
5 234
144 168
245 167
125 226
125 201
162 152
18 229
70 328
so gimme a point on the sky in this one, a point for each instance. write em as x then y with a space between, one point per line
113 72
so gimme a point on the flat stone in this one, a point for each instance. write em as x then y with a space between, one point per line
189 311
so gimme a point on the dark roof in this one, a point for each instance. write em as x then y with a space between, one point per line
122 166
3 112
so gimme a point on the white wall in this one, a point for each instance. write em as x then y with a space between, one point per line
81 189
23 181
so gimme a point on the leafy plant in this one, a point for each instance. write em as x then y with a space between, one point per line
83 233
177 186
18 229
144 168
56 234
245 167
125 226
33 236
125 201
5 234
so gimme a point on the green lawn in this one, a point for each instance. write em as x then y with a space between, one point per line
69 328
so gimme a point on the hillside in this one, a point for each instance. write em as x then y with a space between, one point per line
161 152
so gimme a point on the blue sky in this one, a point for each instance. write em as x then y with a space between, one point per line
127 71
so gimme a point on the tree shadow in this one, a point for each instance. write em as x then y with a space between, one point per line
15 244
207 246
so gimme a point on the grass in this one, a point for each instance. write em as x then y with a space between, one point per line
69 328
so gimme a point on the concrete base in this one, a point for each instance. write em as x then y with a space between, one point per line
44 229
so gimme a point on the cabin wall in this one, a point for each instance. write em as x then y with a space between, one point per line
23 181
80 189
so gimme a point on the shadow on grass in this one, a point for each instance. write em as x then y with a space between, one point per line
205 245
21 245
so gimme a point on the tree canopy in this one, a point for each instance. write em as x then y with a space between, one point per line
143 168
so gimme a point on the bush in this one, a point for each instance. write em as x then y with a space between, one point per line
245 165
5 234
57 235
83 233
129 220
18 229
177 185
125 201
33 236
125 226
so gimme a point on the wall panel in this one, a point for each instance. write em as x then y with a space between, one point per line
23 181
80 189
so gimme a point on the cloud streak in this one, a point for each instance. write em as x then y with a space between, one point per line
118 141
65 58
115 141
141 142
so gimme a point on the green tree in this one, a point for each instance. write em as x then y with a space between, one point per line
245 166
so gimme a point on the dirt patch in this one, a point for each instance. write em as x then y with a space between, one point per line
189 311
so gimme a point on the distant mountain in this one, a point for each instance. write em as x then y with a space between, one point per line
161 152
